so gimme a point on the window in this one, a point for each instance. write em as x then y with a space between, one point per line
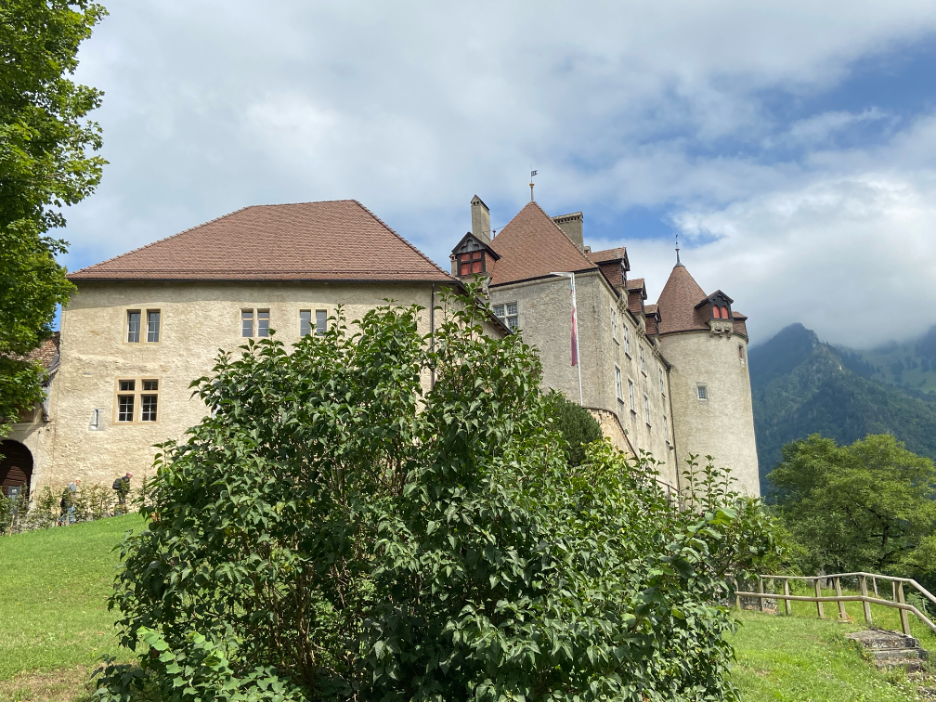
702 392
247 323
626 336
152 326
643 364
508 314
470 263
321 321
614 329
741 354
665 429
662 384
305 322
618 384
630 396
134 326
137 400
647 409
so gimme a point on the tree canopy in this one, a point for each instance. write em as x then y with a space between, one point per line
866 506
46 163
575 423
336 529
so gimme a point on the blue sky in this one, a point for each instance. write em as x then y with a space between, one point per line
792 145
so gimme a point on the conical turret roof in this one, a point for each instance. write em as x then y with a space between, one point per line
677 303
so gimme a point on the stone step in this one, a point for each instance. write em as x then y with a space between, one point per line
877 639
894 654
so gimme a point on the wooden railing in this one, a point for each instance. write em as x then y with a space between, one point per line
897 589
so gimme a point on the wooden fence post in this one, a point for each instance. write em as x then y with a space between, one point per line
843 615
819 594
864 593
737 597
760 589
904 617
787 605
874 585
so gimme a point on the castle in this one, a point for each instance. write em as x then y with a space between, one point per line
669 379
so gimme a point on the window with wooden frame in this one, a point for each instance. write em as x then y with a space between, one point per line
137 400
470 263
137 333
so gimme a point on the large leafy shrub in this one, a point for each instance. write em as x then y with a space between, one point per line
336 531
574 423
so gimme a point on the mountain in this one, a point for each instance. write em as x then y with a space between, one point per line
910 364
802 386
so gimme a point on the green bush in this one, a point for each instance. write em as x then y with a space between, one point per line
333 531
575 423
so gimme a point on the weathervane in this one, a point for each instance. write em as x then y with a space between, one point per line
532 173
678 262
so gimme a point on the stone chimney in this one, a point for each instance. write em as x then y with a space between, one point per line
572 226
480 220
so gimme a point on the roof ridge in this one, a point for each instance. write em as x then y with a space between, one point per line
165 238
401 238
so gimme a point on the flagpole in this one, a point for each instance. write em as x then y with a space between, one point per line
575 330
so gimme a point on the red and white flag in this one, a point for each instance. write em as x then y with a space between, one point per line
575 358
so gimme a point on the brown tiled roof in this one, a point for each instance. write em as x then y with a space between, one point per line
636 284
533 246
46 352
312 241
677 303
651 309
607 255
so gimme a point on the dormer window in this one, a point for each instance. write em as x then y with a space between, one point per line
720 305
471 263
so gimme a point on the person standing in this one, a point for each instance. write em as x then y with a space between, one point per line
68 501
122 488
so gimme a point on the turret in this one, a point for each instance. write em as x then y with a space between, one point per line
706 341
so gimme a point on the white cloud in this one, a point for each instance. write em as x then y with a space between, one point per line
412 107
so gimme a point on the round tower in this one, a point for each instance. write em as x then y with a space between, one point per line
706 341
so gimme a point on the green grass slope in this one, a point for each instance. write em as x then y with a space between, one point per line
54 583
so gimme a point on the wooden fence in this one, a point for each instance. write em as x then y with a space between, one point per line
898 600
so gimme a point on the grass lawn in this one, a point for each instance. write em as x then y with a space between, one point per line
804 659
53 616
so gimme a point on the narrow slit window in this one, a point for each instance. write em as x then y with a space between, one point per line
630 395
263 322
321 321
647 410
618 384
305 322
662 384
133 326
247 323
152 326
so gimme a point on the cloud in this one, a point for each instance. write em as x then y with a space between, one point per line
413 107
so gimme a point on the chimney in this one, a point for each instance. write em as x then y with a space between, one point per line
572 227
480 220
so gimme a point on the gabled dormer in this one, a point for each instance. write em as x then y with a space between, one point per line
472 257
717 307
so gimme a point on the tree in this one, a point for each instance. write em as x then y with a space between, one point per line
867 506
575 423
335 530
44 165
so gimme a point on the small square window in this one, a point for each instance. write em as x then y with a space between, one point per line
247 323
321 321
263 323
133 326
127 385
150 385
508 313
702 392
152 326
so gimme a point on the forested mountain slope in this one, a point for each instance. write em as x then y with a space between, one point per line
801 386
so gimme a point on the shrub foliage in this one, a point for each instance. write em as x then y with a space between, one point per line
575 423
335 531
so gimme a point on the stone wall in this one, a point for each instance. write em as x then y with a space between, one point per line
196 321
722 425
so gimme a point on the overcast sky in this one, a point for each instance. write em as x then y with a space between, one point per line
791 144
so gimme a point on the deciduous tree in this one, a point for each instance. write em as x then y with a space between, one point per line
46 162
